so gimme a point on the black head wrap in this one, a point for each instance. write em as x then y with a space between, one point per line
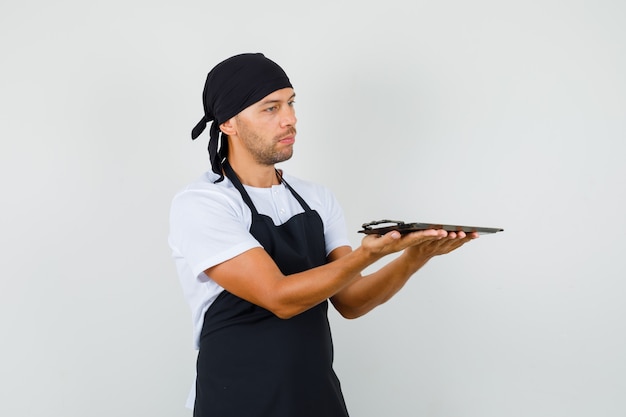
231 86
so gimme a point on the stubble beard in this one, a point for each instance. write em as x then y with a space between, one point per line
266 153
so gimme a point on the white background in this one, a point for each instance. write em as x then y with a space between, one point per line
492 113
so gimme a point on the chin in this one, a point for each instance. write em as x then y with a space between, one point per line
284 157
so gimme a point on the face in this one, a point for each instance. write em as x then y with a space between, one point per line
267 129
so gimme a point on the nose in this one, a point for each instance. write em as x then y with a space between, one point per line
288 117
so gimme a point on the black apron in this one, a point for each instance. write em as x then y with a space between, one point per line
254 364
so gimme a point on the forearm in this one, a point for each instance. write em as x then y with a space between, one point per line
289 295
296 293
370 291
366 293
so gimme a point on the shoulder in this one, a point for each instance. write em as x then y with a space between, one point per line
203 201
307 188
204 188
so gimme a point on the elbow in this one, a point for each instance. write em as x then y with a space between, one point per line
288 310
350 315
283 314
348 312
285 311
354 314
277 303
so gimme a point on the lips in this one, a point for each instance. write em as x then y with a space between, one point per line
288 140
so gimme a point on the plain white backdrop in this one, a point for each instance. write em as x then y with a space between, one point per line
493 113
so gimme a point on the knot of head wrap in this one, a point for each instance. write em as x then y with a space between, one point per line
230 87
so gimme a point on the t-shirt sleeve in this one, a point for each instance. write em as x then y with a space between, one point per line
208 228
335 232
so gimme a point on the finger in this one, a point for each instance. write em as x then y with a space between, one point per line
423 236
428 233
393 235
451 242
449 245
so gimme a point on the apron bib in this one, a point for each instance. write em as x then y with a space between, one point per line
254 364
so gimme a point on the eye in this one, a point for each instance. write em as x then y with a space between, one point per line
271 109
291 103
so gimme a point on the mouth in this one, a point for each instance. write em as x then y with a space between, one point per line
289 139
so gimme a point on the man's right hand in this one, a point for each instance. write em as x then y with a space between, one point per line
379 246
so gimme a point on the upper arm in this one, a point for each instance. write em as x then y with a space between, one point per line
255 277
252 275
208 228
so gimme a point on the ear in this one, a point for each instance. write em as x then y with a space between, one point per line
229 127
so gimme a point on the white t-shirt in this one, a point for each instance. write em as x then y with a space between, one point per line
210 223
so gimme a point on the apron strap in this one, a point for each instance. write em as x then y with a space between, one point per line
303 203
228 170
232 176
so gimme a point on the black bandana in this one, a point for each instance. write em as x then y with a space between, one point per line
231 86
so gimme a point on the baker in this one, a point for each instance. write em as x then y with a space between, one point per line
260 254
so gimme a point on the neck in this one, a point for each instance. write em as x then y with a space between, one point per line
253 174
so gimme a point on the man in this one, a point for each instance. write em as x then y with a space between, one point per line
259 254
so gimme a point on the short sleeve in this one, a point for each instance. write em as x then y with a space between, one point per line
207 228
335 232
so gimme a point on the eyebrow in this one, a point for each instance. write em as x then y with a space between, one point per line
264 102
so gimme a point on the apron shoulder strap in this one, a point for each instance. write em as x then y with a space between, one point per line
228 170
303 203
232 176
